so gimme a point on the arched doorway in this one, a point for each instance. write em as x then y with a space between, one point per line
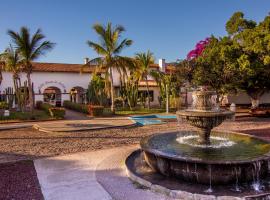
52 95
77 95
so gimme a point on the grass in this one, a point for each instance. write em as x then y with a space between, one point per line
26 116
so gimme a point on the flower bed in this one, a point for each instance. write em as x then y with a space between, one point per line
58 113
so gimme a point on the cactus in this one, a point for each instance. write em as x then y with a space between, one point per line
9 93
21 94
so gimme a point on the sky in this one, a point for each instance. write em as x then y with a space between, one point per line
168 28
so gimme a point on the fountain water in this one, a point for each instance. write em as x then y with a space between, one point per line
205 156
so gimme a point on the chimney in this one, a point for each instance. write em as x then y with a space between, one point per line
162 64
86 60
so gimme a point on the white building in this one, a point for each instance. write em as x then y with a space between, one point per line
57 82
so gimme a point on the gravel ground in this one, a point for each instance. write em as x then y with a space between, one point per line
31 144
19 181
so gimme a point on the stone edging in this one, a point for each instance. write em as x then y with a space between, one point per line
179 194
39 128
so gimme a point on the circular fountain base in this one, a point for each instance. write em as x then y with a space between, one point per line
231 158
139 172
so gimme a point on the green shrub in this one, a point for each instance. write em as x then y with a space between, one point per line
95 111
76 106
3 105
58 113
46 107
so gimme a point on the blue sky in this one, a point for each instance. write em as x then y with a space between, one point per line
168 28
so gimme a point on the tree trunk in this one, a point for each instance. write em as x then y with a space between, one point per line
30 90
148 93
255 98
255 102
112 91
167 98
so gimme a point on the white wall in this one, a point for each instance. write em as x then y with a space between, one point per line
243 98
42 80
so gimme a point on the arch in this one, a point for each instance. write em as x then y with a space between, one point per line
52 95
77 94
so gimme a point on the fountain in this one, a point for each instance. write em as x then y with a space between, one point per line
204 156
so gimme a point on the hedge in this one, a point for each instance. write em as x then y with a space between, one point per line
95 111
76 106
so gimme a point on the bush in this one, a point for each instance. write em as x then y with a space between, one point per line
76 106
3 105
46 107
95 111
58 113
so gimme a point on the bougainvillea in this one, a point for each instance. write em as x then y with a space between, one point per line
198 49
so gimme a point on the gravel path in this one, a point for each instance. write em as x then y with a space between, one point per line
31 144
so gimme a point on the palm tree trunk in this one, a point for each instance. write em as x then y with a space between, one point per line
167 98
30 90
112 91
1 77
148 93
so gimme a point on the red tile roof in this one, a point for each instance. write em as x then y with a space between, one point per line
61 67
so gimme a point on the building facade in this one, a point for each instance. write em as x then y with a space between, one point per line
56 82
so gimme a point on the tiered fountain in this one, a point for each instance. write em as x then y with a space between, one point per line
204 156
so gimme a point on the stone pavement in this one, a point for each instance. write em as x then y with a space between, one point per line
95 175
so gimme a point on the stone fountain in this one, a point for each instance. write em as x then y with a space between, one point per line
204 156
204 115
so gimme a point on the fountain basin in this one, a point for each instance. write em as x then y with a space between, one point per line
244 161
204 120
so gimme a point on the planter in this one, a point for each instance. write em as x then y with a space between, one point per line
95 110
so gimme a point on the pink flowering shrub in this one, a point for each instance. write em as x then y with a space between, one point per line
200 46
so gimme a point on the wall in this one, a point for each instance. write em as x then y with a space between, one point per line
64 81
243 98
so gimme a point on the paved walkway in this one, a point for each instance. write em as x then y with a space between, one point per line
96 175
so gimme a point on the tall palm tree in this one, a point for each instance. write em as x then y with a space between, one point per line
30 49
108 50
144 60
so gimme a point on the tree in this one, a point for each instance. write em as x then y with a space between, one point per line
12 63
184 74
108 50
217 66
144 60
254 63
30 49
96 92
167 86
237 23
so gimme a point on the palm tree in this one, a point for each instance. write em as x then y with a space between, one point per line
108 50
144 60
12 63
30 49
